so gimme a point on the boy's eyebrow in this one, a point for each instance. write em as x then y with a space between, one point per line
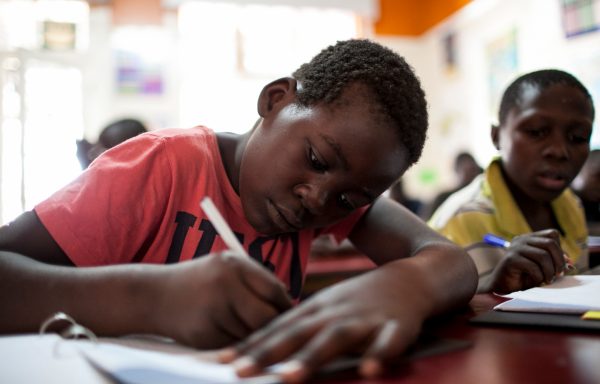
340 155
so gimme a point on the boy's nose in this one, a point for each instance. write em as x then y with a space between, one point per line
557 147
314 197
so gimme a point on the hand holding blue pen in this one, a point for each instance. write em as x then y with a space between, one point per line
497 241
531 259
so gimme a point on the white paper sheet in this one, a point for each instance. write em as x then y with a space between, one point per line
50 359
569 294
133 366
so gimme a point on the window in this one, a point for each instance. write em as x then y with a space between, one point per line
41 99
229 51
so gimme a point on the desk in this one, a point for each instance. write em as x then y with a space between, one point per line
325 270
497 355
500 355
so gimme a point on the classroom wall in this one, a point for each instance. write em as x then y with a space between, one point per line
104 103
460 98
460 101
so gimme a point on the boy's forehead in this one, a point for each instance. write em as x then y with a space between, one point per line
552 96
361 135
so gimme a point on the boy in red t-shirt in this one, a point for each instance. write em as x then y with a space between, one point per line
329 141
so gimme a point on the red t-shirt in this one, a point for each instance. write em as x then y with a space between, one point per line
139 202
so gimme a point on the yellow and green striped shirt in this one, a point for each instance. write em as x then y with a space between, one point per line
487 206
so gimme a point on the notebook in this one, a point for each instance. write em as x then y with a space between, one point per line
558 305
567 295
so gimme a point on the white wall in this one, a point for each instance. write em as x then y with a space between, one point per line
459 102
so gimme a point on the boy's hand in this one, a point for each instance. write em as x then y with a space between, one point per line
367 315
531 259
217 299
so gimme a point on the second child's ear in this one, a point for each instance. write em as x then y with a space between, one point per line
275 94
495 138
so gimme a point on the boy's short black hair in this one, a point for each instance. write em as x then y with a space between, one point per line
393 82
542 79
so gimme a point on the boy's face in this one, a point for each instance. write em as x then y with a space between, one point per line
310 167
544 143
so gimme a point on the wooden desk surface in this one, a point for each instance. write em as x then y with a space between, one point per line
500 355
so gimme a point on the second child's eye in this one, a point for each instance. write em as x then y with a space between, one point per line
579 139
315 162
579 136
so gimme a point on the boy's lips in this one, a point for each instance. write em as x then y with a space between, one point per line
283 219
552 180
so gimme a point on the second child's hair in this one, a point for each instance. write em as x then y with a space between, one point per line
542 79
386 74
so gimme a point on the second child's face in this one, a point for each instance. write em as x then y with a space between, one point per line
310 167
545 143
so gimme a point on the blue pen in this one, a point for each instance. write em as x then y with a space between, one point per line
496 241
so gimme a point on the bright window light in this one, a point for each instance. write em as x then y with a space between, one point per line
229 51
22 22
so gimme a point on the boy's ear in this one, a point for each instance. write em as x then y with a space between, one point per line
276 93
494 134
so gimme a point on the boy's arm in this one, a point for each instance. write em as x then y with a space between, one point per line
178 301
390 232
37 279
379 313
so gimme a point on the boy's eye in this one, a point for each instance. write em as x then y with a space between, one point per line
315 162
345 203
537 132
579 137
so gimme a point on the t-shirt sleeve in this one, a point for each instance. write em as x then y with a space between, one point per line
107 214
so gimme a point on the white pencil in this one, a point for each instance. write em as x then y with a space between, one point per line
221 226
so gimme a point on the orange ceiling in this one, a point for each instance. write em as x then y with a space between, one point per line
397 17
413 17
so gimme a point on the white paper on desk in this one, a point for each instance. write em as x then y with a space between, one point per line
569 294
132 366
593 241
47 359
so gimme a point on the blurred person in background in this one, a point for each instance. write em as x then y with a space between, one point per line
397 193
465 169
113 134
587 186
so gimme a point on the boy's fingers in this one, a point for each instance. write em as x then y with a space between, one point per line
263 283
540 267
549 233
551 244
301 317
543 248
250 311
388 345
274 347
331 342
553 247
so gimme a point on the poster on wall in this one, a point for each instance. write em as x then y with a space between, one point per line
580 16
502 63
137 76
